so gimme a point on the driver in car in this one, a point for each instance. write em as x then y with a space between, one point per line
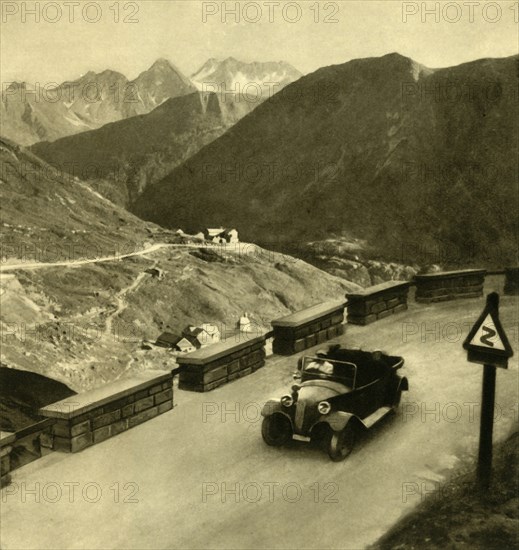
320 364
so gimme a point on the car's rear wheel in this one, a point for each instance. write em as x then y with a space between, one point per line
341 443
276 430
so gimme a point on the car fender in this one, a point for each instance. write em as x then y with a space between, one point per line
273 406
404 384
396 384
337 420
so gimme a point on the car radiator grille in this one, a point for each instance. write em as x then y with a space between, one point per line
300 415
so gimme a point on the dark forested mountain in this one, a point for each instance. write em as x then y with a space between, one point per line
381 149
122 158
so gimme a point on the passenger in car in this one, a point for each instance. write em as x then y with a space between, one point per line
320 365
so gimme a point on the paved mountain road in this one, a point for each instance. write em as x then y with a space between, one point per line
74 263
238 248
200 475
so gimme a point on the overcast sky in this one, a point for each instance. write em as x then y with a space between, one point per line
56 49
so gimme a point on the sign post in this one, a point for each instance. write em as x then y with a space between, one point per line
487 344
486 426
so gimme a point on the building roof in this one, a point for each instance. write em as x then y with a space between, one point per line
192 331
214 232
194 340
210 328
219 232
185 342
169 339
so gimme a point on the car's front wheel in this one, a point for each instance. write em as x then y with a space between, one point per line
341 443
276 430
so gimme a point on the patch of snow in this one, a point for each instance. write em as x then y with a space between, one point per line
416 70
198 85
76 122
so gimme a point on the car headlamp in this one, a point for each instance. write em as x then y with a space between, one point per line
287 401
324 407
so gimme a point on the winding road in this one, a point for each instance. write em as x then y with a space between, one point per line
200 475
74 263
238 248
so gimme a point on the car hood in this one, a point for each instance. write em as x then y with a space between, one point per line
319 390
309 396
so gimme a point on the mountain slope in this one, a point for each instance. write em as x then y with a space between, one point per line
366 149
34 113
83 323
47 214
122 158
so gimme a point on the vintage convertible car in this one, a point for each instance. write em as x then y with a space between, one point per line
340 393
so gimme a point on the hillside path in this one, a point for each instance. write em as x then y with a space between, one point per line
75 263
239 248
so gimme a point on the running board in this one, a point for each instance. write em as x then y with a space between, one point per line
376 416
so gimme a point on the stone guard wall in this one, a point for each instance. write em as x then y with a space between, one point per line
308 327
23 446
377 302
91 417
449 285
512 280
6 448
210 367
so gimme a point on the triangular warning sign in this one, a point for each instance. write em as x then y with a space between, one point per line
487 335
487 342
